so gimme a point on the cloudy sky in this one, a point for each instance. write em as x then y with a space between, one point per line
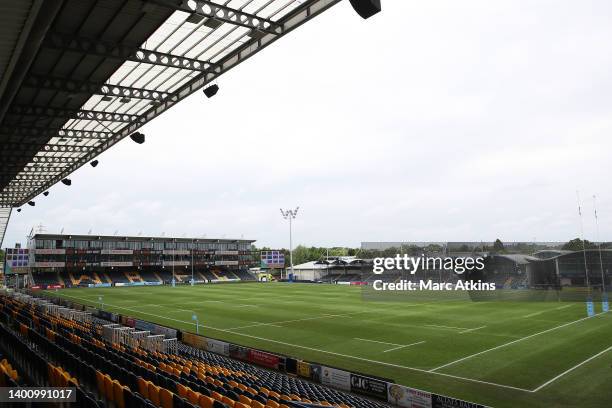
436 120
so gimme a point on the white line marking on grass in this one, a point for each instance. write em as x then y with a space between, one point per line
571 369
405 345
268 324
535 314
326 316
447 327
545 311
319 350
376 341
512 342
471 330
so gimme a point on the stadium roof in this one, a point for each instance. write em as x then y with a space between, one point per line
136 238
80 75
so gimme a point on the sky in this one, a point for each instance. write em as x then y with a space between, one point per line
431 121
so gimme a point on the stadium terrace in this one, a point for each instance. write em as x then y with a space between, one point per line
82 260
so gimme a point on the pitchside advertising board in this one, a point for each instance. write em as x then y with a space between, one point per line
272 260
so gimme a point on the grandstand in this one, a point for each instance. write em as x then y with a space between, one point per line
87 260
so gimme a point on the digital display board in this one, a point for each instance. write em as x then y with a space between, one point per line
16 259
272 260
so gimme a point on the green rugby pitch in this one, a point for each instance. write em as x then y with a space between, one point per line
502 354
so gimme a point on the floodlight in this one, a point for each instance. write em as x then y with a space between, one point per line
366 8
31 203
211 90
94 163
138 137
46 193
19 210
67 181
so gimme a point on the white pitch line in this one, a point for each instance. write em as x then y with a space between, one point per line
297 320
471 330
571 369
376 341
536 314
421 370
447 327
513 342
405 345
550 310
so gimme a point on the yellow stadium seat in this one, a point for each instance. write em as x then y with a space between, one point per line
118 394
108 387
193 397
100 383
206 402
182 390
245 400
272 404
154 394
166 398
143 387
257 404
228 401
216 396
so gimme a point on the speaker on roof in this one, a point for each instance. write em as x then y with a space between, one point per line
366 8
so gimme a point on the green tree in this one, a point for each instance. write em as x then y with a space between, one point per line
576 244
498 246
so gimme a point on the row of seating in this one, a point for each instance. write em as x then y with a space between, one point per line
84 277
143 379
8 375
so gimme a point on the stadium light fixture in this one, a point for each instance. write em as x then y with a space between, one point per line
67 181
138 137
211 91
31 203
46 193
94 163
290 215
366 8
19 210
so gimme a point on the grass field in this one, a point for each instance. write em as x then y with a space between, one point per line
503 354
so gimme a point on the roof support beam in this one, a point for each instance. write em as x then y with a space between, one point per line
50 148
61 133
31 169
292 20
54 159
125 52
87 87
223 13
45 112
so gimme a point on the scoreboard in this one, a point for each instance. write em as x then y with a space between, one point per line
16 260
272 260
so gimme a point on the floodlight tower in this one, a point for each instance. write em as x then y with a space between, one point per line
603 274
290 215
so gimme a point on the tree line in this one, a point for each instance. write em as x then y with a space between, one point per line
303 253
